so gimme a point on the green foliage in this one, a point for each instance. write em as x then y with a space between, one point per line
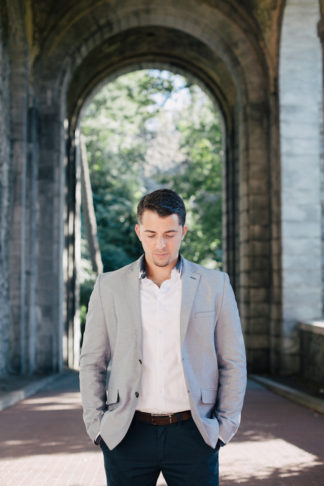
145 130
198 179
114 127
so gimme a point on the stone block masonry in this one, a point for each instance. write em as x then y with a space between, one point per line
4 188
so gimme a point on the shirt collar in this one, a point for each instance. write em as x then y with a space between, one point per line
142 272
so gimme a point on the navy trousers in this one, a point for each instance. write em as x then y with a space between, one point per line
178 450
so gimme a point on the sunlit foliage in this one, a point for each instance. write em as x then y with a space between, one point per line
150 129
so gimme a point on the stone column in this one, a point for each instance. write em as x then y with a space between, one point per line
230 217
19 87
4 190
320 31
31 243
49 252
254 232
300 84
72 252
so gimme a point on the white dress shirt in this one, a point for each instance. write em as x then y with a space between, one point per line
163 387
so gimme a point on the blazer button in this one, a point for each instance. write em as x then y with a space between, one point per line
136 394
140 361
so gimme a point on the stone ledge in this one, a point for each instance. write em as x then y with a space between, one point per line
7 399
296 396
316 326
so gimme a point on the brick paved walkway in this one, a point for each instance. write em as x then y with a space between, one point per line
43 442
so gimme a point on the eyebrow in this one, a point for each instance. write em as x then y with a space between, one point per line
151 231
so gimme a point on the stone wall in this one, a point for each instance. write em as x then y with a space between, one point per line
300 124
312 350
4 188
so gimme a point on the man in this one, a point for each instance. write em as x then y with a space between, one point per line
170 331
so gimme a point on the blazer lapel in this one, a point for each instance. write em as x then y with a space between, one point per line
190 281
132 310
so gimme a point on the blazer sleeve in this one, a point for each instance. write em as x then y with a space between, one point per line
232 365
94 360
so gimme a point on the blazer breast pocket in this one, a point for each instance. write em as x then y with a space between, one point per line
204 316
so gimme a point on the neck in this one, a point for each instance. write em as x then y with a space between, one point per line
159 274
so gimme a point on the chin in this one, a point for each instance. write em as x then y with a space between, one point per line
161 265
161 262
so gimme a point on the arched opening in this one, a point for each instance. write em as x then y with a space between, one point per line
130 48
144 130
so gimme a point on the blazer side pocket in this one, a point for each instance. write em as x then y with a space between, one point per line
209 395
112 398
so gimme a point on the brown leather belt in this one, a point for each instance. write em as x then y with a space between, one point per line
156 419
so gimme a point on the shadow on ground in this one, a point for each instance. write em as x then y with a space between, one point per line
278 443
49 422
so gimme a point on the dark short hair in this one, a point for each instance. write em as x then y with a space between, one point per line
164 202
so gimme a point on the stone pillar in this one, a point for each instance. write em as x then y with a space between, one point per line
230 216
254 233
320 31
18 224
300 85
50 203
31 243
72 253
275 291
19 77
4 188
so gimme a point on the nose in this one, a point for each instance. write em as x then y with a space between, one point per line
160 243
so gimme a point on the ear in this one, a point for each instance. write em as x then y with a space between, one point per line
184 232
137 231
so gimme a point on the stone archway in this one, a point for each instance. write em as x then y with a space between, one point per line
219 43
244 103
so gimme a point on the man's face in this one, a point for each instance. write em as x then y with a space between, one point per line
160 237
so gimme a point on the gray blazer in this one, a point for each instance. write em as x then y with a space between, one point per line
213 353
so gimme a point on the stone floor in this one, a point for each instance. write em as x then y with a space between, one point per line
43 442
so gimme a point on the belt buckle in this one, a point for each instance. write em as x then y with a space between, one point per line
156 415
